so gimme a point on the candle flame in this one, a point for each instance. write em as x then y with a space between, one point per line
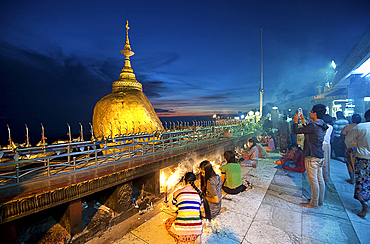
170 182
216 167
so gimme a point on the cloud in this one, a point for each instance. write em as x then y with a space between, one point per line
152 88
157 61
36 88
164 111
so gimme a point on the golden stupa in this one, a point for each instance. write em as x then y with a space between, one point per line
126 110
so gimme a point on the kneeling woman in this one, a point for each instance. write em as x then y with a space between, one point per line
231 175
211 185
187 225
252 156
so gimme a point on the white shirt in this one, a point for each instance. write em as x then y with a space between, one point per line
361 132
328 135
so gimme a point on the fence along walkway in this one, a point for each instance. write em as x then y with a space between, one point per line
29 163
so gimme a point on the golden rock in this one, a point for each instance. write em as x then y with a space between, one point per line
126 110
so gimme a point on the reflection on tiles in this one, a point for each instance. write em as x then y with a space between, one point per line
154 231
283 201
240 205
283 219
232 230
262 233
344 186
257 193
327 228
308 240
282 179
261 180
210 238
291 190
362 231
130 238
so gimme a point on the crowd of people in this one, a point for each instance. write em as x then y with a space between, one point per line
325 138
321 143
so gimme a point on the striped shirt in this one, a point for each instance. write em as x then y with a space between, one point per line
189 205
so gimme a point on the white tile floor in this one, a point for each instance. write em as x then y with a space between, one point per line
270 212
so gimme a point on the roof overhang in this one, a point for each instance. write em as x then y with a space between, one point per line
362 68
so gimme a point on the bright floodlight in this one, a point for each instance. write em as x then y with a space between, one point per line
242 116
215 116
250 113
257 113
274 107
333 64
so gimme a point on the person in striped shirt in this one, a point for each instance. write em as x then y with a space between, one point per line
186 227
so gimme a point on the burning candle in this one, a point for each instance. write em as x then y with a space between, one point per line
165 194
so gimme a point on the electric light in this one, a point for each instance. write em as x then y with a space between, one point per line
257 113
333 64
250 113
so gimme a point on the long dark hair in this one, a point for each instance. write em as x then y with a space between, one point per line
209 172
253 140
189 178
230 157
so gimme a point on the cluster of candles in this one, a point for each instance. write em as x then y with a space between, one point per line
170 182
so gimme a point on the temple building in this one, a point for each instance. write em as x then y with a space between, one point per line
350 90
126 110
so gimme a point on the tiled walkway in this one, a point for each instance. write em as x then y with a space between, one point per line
270 212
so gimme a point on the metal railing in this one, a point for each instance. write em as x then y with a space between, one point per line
29 163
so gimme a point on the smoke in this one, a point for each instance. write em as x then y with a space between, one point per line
190 164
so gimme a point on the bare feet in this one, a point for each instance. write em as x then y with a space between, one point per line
350 181
363 213
307 205
223 209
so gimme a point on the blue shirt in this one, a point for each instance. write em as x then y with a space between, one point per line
314 134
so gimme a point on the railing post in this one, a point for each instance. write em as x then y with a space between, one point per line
17 172
68 152
48 166
74 163
96 158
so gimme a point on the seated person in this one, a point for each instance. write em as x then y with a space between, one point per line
288 156
186 226
211 186
261 150
231 175
271 145
252 156
297 164
263 140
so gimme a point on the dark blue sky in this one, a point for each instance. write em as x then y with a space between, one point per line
58 58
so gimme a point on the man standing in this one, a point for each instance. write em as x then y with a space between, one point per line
361 133
314 134
338 145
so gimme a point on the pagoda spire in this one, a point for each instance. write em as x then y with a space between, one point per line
127 52
127 79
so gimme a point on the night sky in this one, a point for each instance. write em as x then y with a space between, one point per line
194 58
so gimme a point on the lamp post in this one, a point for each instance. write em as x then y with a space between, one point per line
250 115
